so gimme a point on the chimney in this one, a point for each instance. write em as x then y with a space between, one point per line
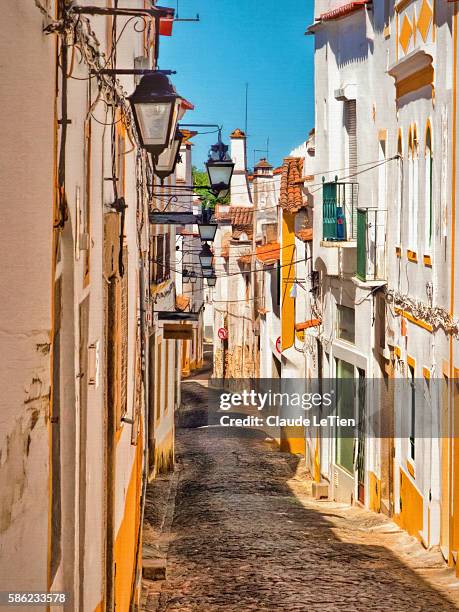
238 150
240 193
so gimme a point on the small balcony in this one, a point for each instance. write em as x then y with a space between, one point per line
371 246
340 202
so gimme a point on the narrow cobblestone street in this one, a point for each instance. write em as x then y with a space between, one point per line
238 531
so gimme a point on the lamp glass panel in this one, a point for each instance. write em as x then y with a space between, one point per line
207 231
166 159
154 119
206 261
219 174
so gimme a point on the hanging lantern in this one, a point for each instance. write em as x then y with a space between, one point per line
166 161
155 106
207 230
206 256
220 168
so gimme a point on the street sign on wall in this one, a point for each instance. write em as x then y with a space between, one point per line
223 333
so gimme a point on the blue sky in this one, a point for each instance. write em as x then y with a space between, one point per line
245 41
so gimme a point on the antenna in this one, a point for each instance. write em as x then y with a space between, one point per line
246 107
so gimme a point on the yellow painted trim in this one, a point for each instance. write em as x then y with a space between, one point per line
99 607
426 373
382 134
427 260
397 351
288 276
398 251
55 246
125 547
374 489
411 361
412 510
412 256
409 317
410 468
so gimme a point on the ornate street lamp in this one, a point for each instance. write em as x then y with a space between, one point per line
205 257
155 106
208 273
207 230
211 281
220 168
164 164
193 277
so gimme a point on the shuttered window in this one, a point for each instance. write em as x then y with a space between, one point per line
350 121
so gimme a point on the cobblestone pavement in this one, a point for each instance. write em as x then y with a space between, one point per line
243 534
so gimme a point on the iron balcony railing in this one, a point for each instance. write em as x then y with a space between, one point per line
371 244
340 202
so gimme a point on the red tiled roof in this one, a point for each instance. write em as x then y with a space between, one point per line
268 253
237 134
241 216
291 196
304 234
345 9
263 163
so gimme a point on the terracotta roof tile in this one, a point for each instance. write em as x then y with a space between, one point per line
263 163
342 11
241 216
268 253
304 234
291 196
238 133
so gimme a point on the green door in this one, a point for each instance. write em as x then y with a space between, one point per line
345 410
329 211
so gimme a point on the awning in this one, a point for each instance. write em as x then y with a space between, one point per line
166 315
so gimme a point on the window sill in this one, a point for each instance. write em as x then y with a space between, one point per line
345 244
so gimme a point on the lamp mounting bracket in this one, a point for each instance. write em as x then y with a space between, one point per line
122 11
131 71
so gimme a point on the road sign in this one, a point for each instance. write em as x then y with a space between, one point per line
223 333
279 345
